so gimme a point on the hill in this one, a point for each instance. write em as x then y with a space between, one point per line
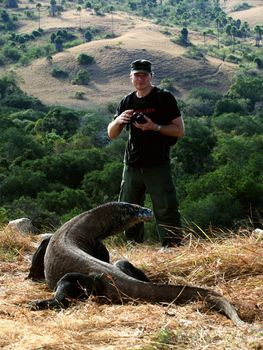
110 73
253 14
134 37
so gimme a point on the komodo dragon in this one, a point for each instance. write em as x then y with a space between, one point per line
74 265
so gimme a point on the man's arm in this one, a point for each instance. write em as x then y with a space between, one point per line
175 128
116 126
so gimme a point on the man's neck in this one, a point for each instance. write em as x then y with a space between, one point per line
144 92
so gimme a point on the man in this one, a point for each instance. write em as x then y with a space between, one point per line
147 159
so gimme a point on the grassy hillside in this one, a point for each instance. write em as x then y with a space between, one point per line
134 37
110 73
253 14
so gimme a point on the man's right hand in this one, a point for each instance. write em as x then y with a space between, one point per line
117 125
124 117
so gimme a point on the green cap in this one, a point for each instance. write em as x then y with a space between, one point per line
141 66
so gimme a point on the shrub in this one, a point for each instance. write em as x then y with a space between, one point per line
112 106
82 78
205 94
11 53
259 62
227 105
88 36
36 33
79 95
167 83
242 7
19 100
24 60
3 216
85 59
233 58
73 43
217 209
2 60
194 52
59 73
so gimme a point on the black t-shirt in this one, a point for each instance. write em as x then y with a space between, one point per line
149 148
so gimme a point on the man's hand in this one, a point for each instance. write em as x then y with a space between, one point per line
124 117
149 125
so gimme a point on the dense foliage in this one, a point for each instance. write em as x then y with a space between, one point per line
57 162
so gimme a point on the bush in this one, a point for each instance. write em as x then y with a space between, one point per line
242 7
82 78
59 73
2 60
11 53
205 94
88 35
112 106
73 43
216 209
227 105
233 58
22 101
194 52
3 216
85 59
167 83
259 62
80 95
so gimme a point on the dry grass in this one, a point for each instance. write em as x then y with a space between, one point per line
253 16
232 266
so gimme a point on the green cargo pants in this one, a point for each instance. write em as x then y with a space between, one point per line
158 183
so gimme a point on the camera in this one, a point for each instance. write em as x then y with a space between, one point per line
138 117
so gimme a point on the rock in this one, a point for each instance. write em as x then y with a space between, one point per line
22 225
257 234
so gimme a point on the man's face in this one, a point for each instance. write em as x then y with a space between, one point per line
141 80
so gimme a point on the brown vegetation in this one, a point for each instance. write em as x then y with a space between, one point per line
232 266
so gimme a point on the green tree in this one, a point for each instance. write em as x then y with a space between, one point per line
184 36
84 59
11 3
18 147
103 185
218 22
58 43
22 182
247 87
64 200
82 78
64 122
258 35
88 35
53 8
38 7
193 151
79 9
